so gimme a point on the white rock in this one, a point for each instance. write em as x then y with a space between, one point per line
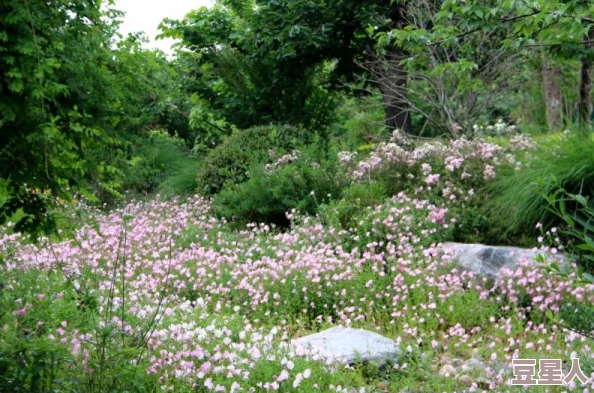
348 345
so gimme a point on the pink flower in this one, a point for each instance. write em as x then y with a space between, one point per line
297 380
283 376
489 172
432 179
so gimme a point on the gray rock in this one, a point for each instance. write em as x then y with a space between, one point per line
349 346
473 364
466 380
457 362
487 261
447 371
383 385
499 366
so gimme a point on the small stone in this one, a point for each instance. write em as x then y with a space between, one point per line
447 371
505 367
484 383
457 362
474 364
383 385
466 380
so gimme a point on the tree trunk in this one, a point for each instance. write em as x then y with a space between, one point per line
552 94
393 85
585 103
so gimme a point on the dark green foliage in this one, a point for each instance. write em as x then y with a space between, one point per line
270 193
577 212
355 198
579 318
229 162
244 82
146 164
359 122
517 196
474 226
284 61
157 160
43 135
67 94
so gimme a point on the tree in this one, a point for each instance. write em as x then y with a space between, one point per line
277 60
42 133
68 91
245 84
552 93
562 27
451 84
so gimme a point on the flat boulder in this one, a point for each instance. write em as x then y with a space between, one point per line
487 261
348 345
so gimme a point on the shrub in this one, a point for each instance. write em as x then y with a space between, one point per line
154 160
140 166
451 174
359 122
229 162
566 161
300 181
400 220
577 212
355 198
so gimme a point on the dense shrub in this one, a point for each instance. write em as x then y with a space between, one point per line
298 180
452 174
359 122
402 221
143 165
565 161
229 162
342 213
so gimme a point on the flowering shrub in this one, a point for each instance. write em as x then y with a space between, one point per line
460 162
452 175
500 128
231 161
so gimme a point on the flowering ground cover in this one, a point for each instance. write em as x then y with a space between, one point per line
161 296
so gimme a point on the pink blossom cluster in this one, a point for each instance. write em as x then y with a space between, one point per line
226 303
460 159
282 160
